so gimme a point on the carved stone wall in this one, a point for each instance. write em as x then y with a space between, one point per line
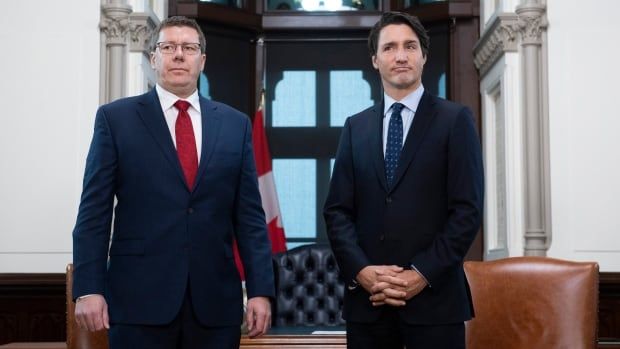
123 31
499 38
522 32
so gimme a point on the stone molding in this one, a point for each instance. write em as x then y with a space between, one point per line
141 26
500 37
507 30
115 23
532 23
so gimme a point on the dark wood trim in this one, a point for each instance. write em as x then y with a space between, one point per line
610 345
319 20
610 281
215 13
32 307
439 11
255 18
24 279
609 307
327 342
462 75
259 6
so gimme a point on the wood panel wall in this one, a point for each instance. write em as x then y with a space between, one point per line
32 308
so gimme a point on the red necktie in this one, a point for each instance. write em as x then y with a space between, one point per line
186 143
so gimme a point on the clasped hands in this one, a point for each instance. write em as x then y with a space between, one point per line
390 284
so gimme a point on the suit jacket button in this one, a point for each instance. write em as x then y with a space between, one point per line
190 210
382 237
388 200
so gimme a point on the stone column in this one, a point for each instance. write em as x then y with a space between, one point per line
115 26
531 23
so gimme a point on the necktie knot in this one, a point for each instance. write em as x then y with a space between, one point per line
182 105
397 108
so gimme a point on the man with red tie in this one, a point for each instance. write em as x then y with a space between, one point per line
182 171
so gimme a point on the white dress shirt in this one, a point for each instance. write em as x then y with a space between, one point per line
167 100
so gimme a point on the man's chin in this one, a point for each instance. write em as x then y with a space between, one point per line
179 88
180 84
404 85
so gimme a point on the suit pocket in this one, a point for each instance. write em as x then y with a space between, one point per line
127 247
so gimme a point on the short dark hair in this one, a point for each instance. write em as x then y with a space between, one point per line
398 18
178 21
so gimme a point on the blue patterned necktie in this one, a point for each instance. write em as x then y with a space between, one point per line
394 142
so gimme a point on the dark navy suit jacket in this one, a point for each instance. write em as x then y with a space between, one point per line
165 234
428 218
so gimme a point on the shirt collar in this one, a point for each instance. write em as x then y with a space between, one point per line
167 98
410 101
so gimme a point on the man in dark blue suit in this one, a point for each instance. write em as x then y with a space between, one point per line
182 171
405 203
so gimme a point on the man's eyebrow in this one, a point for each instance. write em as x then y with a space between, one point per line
411 41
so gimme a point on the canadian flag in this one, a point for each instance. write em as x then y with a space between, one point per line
267 188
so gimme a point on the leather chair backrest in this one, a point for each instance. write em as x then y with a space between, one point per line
531 303
309 289
78 338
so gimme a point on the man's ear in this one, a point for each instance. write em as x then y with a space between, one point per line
374 61
152 60
204 59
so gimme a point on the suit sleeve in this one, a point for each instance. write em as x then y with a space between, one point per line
91 235
250 226
465 191
339 210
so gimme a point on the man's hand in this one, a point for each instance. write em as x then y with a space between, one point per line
258 316
367 277
91 313
396 288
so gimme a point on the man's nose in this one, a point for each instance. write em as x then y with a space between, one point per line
178 52
401 55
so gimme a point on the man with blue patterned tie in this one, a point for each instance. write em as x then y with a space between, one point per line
405 203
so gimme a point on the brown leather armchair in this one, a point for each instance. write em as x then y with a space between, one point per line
78 338
533 302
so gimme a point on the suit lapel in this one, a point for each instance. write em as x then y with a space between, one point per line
211 122
375 127
424 115
153 117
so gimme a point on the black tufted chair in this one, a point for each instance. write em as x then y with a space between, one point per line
309 289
